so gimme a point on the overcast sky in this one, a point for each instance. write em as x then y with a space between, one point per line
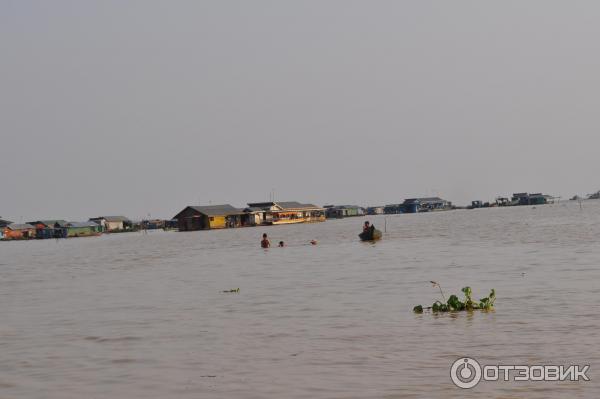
137 107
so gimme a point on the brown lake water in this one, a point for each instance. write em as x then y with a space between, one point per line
144 316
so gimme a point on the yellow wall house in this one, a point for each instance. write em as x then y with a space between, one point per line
209 217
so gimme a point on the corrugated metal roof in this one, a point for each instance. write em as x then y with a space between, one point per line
50 223
20 226
296 205
112 218
217 210
261 205
425 200
82 224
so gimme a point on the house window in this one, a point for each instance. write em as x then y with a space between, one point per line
212 219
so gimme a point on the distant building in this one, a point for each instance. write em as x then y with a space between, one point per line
49 228
4 223
520 199
209 217
158 224
502 201
375 210
538 199
426 204
172 224
83 229
531 199
286 212
113 223
153 224
342 211
476 204
255 216
392 209
16 231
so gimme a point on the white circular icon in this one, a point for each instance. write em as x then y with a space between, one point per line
465 373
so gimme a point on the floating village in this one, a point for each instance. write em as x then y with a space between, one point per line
193 218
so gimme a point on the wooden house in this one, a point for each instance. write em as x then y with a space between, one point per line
16 231
209 217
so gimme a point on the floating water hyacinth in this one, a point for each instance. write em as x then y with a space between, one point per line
453 304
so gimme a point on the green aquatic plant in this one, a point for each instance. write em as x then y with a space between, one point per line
469 305
453 304
487 303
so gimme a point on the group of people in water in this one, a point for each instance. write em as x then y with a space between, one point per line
266 243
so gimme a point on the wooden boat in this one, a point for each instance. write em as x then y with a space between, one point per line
371 235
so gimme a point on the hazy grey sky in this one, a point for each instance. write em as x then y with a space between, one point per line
136 107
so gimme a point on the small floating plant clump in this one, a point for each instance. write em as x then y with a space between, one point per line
453 304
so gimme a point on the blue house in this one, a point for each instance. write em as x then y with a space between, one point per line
426 204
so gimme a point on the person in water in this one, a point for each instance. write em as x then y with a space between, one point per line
369 229
265 243
281 244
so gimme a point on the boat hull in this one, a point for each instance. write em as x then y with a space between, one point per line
370 235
